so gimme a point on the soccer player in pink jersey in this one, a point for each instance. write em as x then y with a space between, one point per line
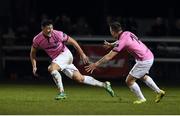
53 42
143 56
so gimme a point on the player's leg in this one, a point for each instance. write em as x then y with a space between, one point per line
73 73
89 80
134 87
53 70
151 84
59 64
137 72
149 81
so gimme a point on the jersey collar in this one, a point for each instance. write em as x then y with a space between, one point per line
120 35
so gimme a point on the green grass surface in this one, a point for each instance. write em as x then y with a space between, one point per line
24 99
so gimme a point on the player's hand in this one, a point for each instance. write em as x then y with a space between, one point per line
107 45
34 72
90 68
84 58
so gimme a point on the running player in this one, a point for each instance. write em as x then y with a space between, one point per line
53 43
143 56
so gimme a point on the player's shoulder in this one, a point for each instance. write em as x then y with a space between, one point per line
123 35
126 33
38 36
60 33
57 31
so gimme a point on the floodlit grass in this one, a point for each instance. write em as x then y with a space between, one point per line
25 99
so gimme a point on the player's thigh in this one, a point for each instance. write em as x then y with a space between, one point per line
64 59
145 77
141 68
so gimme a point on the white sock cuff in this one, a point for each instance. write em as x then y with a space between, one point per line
136 89
148 78
133 85
54 72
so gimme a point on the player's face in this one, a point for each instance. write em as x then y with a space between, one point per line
113 33
47 30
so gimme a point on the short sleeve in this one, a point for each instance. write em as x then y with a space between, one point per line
35 44
65 37
119 45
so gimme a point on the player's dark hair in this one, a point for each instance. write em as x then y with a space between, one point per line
115 26
46 22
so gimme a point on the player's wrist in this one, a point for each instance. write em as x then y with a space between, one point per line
83 55
96 64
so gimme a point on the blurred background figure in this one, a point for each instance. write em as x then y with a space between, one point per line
9 36
176 28
158 28
63 22
82 28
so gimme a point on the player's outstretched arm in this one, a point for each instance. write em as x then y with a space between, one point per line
90 68
33 60
108 45
83 56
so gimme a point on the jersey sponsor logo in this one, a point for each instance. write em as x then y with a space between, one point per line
52 47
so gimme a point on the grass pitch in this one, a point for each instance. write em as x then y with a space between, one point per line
31 99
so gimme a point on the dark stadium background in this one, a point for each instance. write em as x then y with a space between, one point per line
136 16
156 22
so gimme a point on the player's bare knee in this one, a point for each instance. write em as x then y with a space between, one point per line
130 80
50 69
144 78
53 66
79 79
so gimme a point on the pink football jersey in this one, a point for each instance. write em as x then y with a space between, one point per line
134 46
54 45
